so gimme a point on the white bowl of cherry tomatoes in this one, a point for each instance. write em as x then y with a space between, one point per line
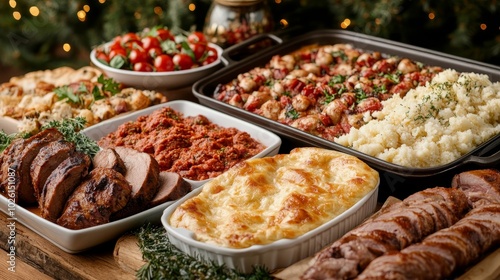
157 58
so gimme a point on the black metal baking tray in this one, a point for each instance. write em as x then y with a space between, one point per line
485 155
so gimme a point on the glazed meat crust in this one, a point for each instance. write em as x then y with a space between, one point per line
103 192
441 254
395 228
18 159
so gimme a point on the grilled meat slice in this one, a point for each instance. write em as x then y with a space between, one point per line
172 187
19 161
396 227
443 253
109 158
143 174
103 192
6 167
61 183
47 161
481 186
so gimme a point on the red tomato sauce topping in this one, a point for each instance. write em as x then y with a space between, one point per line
192 146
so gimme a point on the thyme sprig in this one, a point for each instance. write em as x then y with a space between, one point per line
165 261
70 129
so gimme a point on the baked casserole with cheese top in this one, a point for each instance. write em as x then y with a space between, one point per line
262 200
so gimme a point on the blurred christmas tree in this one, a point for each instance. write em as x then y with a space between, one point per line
51 33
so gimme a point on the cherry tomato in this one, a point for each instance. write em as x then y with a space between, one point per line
183 61
212 55
198 50
143 67
150 42
129 37
197 37
115 45
116 52
164 34
137 55
100 55
164 63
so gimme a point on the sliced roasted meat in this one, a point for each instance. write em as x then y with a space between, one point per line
19 161
109 158
172 187
61 183
103 192
47 161
396 227
143 174
6 167
481 186
443 253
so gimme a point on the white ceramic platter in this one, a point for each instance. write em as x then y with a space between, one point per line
75 241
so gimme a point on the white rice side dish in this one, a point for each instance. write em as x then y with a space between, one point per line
434 124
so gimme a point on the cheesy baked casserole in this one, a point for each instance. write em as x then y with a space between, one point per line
262 200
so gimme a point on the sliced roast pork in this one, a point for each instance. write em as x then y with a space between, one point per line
444 253
47 161
109 158
103 192
172 187
143 174
19 161
61 183
396 227
481 186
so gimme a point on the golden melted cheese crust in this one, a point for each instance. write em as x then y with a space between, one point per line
262 200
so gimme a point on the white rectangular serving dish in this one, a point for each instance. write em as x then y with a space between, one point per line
188 108
279 254
75 241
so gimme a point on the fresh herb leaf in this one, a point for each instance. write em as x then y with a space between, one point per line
64 92
340 54
169 47
109 85
394 77
118 62
187 49
360 95
165 261
291 113
70 128
337 79
96 93
6 139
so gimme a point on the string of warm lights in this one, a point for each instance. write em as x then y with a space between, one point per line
93 22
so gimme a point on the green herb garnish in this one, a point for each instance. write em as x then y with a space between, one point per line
65 92
70 129
165 261
291 113
108 85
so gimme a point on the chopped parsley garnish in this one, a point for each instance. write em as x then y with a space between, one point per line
337 79
394 77
65 92
360 95
291 113
340 54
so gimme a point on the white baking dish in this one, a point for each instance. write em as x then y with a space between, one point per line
279 254
75 241
188 108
